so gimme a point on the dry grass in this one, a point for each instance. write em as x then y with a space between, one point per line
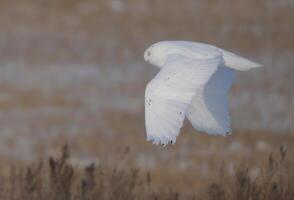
57 179
274 182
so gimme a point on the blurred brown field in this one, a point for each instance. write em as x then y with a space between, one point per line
71 71
116 31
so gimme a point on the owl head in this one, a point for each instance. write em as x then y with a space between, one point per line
156 54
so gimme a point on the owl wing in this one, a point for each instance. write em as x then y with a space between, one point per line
209 111
169 95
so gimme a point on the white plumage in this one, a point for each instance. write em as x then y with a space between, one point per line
194 81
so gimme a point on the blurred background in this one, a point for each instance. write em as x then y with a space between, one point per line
73 71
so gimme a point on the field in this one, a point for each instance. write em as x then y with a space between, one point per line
72 72
58 179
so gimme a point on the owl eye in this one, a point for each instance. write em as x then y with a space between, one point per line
148 53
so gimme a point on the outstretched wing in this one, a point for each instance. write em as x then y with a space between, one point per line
237 62
170 93
209 111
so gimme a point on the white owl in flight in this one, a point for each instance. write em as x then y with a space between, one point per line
193 82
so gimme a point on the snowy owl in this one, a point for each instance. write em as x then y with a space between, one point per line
193 82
